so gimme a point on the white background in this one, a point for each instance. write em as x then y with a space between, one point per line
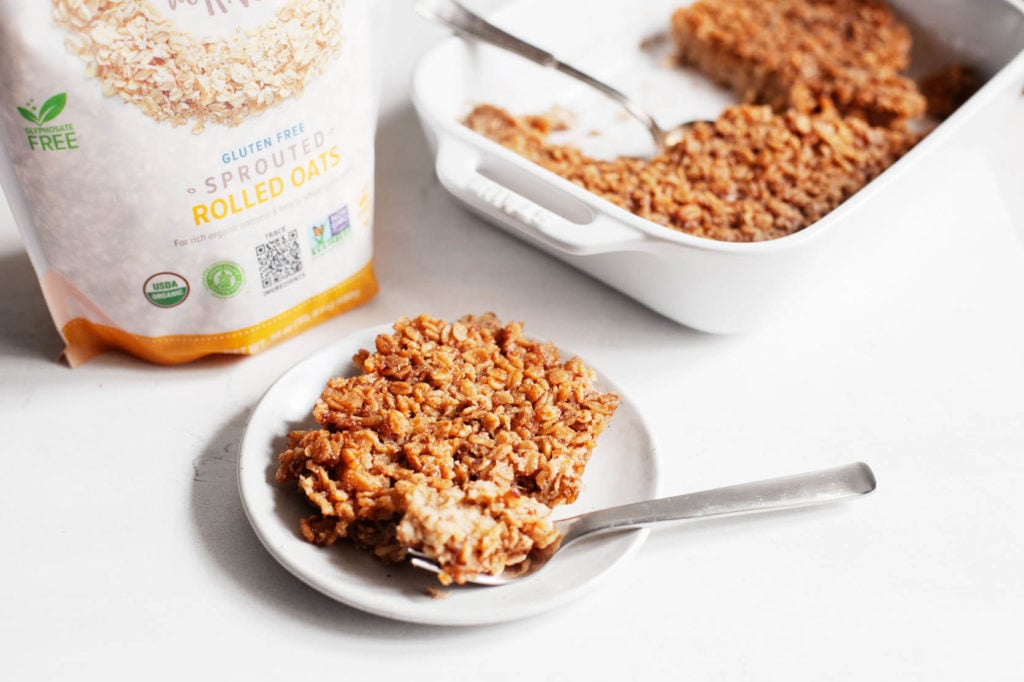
127 554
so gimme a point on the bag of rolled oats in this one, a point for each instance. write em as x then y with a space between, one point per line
190 176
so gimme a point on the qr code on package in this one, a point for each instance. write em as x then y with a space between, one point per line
280 260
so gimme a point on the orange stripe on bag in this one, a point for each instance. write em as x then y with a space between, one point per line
86 339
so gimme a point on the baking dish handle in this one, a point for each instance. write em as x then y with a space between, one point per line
458 168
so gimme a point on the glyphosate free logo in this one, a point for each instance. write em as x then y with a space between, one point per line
46 134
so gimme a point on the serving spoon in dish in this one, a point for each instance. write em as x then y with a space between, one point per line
787 492
468 24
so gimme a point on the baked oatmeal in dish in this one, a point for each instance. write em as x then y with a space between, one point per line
825 110
752 175
454 439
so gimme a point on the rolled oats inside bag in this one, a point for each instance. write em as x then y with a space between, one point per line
190 176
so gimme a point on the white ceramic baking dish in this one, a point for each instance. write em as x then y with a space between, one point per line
708 285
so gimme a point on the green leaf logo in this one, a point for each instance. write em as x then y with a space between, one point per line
28 115
52 107
50 110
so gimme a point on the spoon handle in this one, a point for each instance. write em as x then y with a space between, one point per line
815 487
457 17
465 22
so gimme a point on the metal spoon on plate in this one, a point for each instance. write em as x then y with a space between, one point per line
468 24
800 490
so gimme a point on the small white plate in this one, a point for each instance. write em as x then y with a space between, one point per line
622 469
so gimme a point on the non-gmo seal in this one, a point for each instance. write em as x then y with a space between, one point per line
166 289
224 279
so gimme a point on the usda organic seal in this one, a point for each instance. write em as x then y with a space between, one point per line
224 279
166 289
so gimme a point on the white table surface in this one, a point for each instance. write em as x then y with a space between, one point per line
127 554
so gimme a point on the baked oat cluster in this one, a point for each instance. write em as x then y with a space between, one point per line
455 440
792 54
825 111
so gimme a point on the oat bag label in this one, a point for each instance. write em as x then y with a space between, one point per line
189 176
